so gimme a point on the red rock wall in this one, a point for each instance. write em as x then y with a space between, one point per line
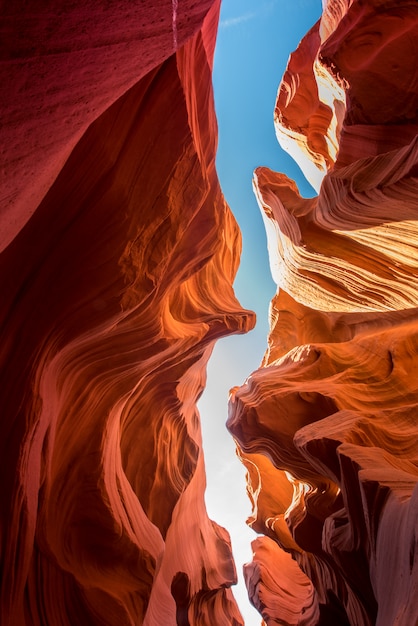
119 256
327 427
63 64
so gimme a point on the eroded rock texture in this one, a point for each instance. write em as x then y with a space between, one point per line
115 277
327 427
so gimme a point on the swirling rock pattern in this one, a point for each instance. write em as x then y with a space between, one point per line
116 281
327 426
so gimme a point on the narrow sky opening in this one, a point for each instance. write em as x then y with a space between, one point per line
254 42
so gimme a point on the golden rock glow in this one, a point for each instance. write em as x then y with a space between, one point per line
327 426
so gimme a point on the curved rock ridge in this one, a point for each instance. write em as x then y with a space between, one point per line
309 111
279 586
113 294
333 257
333 96
326 427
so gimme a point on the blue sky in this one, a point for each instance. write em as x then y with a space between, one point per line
254 42
251 56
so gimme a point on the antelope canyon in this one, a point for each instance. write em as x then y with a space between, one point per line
118 258
118 254
327 426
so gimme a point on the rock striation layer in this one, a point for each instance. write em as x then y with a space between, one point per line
118 258
327 427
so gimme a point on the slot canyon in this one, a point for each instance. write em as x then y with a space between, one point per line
118 254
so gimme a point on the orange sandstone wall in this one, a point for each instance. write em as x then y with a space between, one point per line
327 427
118 258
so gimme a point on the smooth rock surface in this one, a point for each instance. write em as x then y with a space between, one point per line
116 280
118 254
62 65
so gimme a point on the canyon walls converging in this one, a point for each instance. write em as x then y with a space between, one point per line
328 426
117 257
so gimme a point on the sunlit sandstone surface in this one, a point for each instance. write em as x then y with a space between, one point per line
118 256
328 426
118 253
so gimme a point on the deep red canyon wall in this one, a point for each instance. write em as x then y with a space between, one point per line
118 258
327 427
118 254
62 65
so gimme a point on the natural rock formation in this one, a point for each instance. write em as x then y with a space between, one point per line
327 426
118 257
118 254
62 66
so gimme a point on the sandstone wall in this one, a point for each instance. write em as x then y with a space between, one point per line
116 274
327 427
